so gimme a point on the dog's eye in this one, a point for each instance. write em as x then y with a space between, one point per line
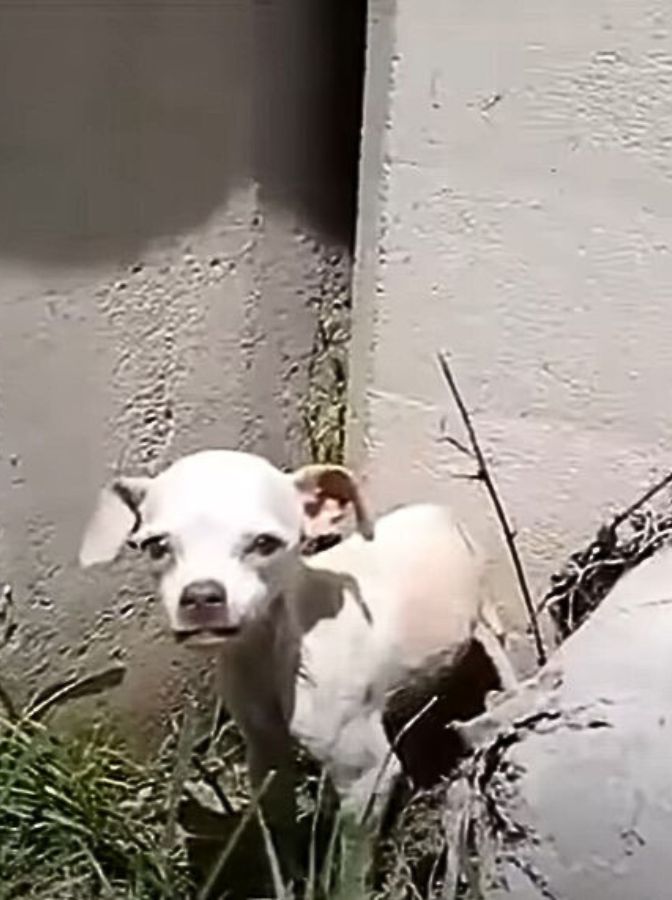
265 544
157 548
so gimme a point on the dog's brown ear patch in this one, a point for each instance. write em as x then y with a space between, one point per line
328 493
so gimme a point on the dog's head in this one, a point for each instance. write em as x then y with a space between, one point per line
222 530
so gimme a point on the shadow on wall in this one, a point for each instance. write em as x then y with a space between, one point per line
124 121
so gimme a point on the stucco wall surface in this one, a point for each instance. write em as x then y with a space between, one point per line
516 211
164 224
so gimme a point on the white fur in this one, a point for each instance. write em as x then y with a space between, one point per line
322 641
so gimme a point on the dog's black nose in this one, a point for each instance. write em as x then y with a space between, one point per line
206 593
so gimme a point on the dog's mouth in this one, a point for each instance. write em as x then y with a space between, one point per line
203 637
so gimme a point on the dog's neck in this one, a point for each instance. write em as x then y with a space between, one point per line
261 663
268 656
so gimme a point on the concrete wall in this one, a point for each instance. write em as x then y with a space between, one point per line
515 210
173 177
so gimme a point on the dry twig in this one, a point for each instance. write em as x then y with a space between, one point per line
483 475
590 573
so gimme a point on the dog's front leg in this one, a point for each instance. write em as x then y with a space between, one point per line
255 708
364 770
272 773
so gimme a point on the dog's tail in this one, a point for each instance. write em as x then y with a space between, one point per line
491 635
491 619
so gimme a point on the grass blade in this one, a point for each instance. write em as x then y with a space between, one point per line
311 884
330 858
74 689
180 770
281 892
250 812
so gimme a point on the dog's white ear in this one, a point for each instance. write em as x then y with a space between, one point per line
116 516
327 492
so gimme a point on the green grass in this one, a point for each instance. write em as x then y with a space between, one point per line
79 819
324 408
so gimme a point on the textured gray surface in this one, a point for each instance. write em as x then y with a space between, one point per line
514 212
165 216
585 791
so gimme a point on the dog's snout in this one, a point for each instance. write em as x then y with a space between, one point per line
199 594
203 613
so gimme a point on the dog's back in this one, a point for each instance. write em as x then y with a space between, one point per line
412 626
420 580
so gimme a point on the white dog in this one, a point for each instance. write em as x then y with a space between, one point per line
308 648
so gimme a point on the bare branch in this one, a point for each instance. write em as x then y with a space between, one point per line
211 780
458 445
466 476
646 496
590 573
483 474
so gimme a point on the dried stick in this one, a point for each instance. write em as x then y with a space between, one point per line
483 474
646 496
